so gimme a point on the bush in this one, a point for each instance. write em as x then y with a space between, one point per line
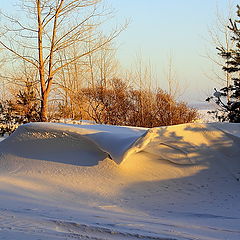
120 104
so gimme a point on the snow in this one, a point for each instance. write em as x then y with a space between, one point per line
63 181
203 109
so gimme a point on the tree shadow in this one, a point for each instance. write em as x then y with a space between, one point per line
193 171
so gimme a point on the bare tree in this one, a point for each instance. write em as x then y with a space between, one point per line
51 27
94 70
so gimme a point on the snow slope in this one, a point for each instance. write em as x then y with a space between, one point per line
60 181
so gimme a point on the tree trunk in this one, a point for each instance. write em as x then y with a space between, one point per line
44 106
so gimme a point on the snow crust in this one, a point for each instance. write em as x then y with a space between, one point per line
62 181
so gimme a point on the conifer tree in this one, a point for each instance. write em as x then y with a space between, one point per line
228 97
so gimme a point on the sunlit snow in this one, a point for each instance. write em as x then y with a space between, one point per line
63 181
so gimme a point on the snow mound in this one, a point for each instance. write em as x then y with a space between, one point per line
109 182
192 144
82 145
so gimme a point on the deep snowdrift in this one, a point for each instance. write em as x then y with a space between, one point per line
105 182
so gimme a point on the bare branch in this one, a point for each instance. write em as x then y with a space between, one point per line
25 58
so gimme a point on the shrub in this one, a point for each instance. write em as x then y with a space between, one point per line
120 104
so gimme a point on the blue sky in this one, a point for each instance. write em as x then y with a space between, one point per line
179 28
159 29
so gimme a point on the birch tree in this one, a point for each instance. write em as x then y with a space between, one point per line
49 27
